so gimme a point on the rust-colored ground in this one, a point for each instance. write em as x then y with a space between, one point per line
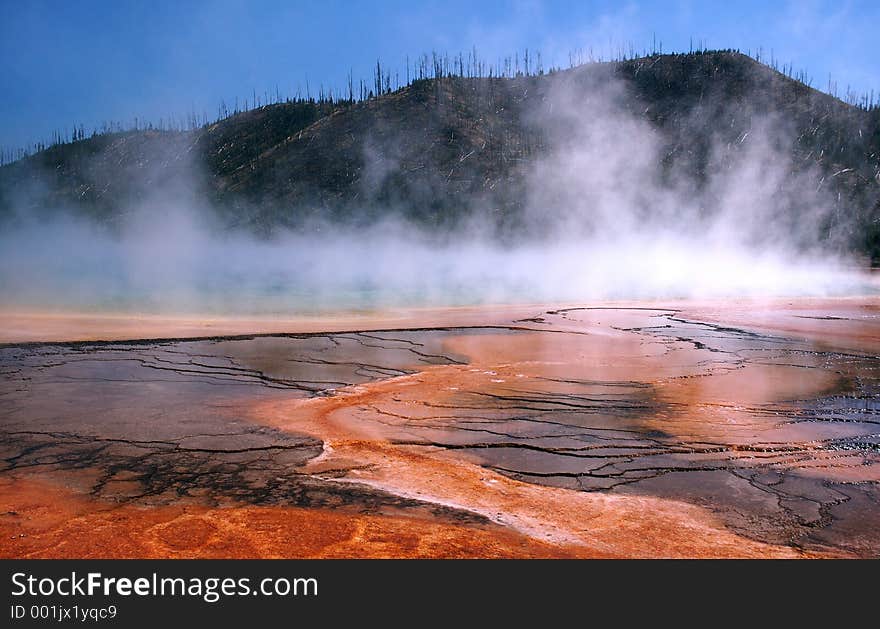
617 430
45 520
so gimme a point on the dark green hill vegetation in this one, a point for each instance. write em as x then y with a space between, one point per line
442 150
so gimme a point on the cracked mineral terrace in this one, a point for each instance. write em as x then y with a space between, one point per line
621 430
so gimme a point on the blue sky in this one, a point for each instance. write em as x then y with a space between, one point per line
84 62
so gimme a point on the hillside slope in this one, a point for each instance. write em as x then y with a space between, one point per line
443 150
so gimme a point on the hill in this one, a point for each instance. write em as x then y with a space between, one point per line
442 151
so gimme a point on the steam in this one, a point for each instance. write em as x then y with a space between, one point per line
609 215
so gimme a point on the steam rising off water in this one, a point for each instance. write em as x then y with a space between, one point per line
602 219
182 269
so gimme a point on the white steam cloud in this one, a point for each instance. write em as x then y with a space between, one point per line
609 218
